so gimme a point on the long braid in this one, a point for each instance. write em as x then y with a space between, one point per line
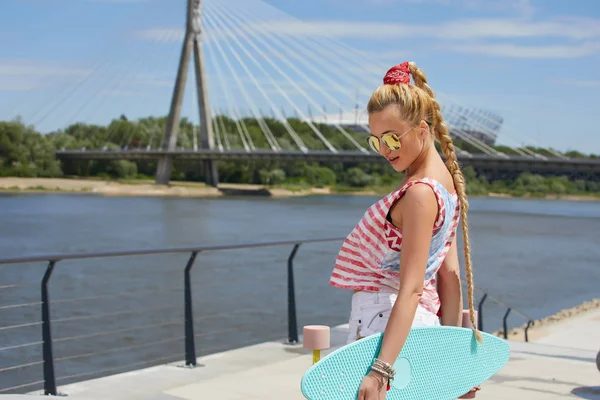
441 131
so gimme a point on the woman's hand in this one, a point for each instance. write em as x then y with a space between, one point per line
373 387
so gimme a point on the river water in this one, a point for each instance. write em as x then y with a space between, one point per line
539 256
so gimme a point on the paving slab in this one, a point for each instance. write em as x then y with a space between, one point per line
559 365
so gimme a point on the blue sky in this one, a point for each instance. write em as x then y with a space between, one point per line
535 62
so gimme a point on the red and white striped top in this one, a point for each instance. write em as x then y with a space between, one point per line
369 258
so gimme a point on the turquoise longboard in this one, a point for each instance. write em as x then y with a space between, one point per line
436 363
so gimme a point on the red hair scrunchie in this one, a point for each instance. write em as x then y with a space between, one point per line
397 74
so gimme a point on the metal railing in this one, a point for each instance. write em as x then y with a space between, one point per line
508 308
48 359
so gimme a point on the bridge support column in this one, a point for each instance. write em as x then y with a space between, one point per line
211 174
192 42
163 170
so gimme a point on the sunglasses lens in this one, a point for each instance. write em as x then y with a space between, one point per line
374 143
391 141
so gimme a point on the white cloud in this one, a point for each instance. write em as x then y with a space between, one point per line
523 8
519 51
582 83
17 67
121 93
161 35
460 35
18 75
479 28
117 1
20 85
154 81
563 37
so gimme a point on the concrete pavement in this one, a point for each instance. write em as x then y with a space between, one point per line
561 364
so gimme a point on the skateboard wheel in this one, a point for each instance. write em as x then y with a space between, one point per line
316 337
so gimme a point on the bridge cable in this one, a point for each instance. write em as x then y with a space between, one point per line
232 109
59 98
335 50
339 72
352 58
293 134
135 62
266 132
225 134
292 82
216 129
489 151
486 149
117 80
312 66
293 67
284 120
302 115
442 95
261 122
236 115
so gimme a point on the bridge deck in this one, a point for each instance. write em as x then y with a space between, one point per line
559 364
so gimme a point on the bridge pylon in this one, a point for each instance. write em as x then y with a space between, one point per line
192 42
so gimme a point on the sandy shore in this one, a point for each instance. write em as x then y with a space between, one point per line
182 189
540 327
551 196
144 188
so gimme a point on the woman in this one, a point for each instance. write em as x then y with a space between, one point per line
401 259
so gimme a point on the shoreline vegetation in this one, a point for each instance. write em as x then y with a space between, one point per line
147 187
540 327
28 163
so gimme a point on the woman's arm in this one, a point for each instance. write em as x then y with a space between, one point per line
417 211
449 288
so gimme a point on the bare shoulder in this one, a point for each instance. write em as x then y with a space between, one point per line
417 203
420 197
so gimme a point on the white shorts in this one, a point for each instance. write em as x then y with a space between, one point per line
371 311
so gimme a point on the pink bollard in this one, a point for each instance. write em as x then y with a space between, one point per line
316 338
466 319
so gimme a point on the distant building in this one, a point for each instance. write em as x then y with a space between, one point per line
357 121
481 124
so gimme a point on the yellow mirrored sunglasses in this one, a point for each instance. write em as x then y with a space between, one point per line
389 139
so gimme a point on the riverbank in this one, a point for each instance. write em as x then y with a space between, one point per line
145 188
196 189
541 327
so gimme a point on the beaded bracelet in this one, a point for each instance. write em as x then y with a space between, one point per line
385 367
385 370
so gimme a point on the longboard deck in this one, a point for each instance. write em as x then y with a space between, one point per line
436 363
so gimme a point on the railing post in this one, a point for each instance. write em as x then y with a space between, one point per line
480 312
529 323
504 325
292 319
49 378
190 347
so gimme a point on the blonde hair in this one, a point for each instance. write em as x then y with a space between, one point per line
415 103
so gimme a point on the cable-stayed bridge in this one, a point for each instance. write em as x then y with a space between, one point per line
265 84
